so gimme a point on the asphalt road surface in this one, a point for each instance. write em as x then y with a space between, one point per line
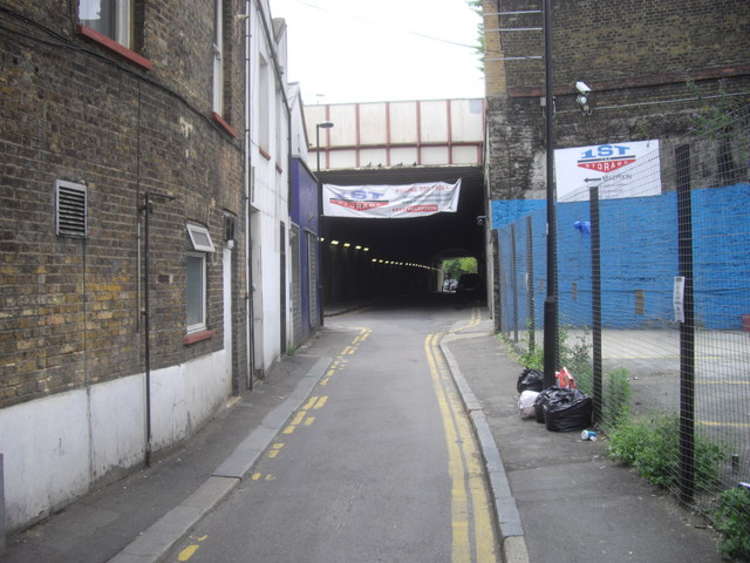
378 465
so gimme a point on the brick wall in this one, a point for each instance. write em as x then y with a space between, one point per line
637 55
74 110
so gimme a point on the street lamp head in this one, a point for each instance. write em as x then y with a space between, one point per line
325 125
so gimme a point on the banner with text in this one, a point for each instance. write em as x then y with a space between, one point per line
620 170
391 201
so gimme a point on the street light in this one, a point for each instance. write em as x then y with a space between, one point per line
318 127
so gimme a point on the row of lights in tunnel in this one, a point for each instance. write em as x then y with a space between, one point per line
380 260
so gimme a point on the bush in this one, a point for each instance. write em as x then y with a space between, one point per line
652 447
732 519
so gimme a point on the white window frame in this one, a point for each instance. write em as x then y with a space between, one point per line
192 229
123 22
218 58
197 327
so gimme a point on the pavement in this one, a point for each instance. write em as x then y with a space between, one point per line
558 498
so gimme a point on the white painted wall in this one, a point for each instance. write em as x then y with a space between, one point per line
56 447
270 193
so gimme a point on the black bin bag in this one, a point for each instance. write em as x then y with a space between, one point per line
567 410
530 380
541 402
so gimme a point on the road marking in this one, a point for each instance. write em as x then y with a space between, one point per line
321 402
256 476
289 429
719 423
470 507
309 420
270 477
349 350
310 402
299 417
188 552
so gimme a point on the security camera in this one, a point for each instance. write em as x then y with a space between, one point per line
582 87
481 220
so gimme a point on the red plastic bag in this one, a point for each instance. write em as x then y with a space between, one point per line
565 379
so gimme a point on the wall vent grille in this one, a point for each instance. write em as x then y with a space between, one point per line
70 209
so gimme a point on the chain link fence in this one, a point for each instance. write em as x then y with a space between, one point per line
654 306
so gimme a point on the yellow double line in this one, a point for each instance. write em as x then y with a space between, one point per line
473 537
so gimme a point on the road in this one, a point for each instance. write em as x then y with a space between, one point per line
378 465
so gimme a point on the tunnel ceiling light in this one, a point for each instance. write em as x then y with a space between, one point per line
334 242
380 261
374 259
358 247
322 239
366 249
347 244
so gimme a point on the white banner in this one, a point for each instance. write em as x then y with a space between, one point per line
620 170
391 201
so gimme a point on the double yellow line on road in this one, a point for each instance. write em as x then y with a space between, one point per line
471 517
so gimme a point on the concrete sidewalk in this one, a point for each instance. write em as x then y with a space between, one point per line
137 519
575 505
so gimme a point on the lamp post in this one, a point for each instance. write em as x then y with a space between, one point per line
551 334
318 127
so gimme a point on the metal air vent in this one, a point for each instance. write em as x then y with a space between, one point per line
70 209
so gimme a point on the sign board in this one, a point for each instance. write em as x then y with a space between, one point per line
620 170
678 299
391 201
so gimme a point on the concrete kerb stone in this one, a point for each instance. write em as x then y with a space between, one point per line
506 511
154 543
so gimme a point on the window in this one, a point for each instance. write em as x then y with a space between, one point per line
218 48
263 106
111 18
195 277
195 289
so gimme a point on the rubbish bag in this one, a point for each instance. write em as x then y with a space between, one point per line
567 410
541 401
530 379
565 379
526 403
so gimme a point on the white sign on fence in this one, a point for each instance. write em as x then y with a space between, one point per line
620 170
678 299
391 201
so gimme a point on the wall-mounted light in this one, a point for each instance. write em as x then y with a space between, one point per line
322 239
334 242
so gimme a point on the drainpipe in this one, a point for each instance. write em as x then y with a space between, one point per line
247 170
147 314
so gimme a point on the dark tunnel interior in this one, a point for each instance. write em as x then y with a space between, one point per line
398 258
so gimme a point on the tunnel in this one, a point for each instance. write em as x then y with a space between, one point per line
376 259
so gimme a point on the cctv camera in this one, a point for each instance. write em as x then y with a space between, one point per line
582 87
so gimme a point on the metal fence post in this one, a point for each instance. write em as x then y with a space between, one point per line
596 301
530 284
514 280
497 308
687 326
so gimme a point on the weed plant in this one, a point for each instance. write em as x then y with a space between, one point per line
732 519
652 447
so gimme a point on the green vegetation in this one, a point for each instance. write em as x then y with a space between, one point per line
652 447
454 267
476 5
732 519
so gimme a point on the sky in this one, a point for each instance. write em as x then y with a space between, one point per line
362 51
